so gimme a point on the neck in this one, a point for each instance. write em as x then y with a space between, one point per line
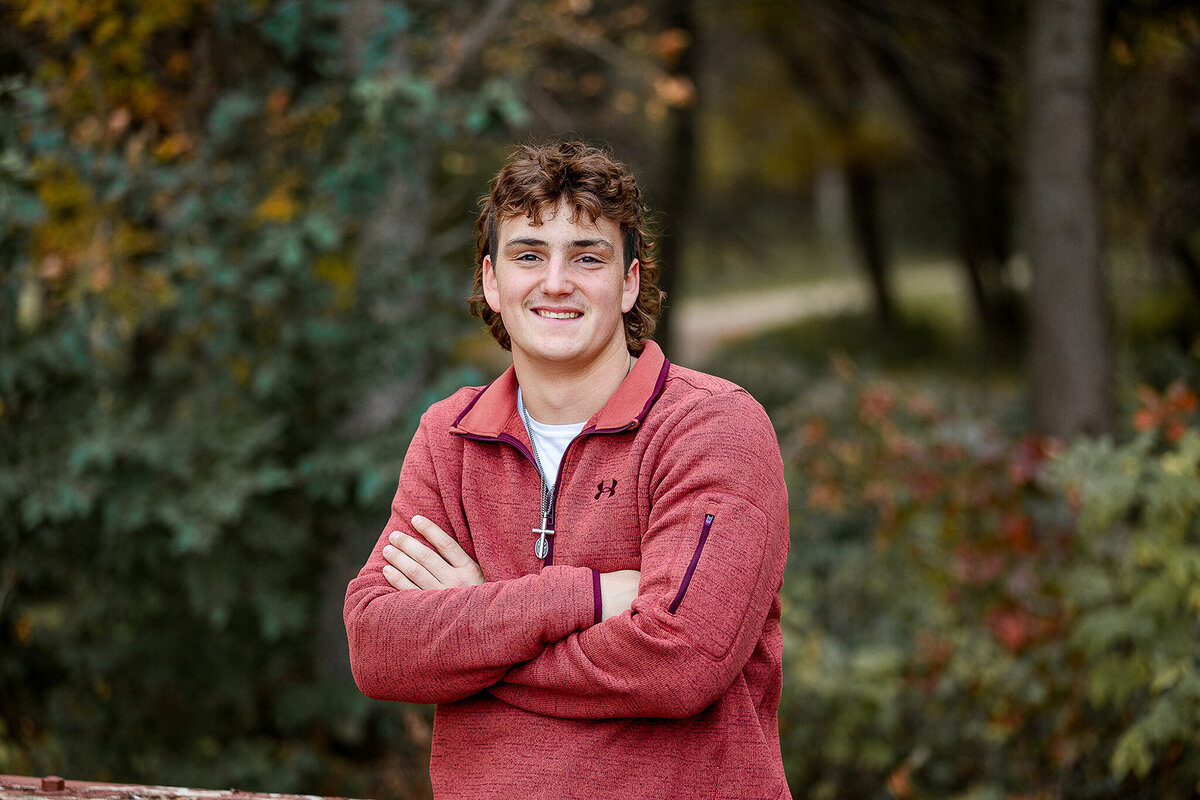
557 396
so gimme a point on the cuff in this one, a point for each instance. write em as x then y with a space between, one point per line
570 598
597 599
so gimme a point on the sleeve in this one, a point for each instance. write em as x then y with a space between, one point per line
712 565
443 645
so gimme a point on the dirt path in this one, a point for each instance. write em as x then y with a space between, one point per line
704 323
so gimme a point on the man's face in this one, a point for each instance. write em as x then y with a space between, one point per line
561 288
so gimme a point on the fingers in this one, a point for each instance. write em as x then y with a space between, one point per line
449 548
397 579
405 555
420 567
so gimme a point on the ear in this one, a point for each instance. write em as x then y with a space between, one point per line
491 289
631 285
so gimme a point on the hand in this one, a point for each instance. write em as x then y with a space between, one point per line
618 590
412 565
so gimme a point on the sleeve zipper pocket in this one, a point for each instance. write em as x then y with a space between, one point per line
687 576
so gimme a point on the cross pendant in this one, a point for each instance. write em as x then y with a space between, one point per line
542 547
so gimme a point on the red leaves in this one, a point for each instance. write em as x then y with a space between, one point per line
875 403
1017 628
1016 530
1028 458
956 494
1167 412
1004 605
977 566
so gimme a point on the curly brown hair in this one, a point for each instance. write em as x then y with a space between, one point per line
533 181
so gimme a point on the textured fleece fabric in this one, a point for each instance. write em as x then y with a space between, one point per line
679 476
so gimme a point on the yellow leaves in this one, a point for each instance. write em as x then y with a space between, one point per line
105 20
1176 464
62 18
129 241
100 55
72 217
108 29
173 146
338 270
86 247
239 367
280 205
62 190
316 123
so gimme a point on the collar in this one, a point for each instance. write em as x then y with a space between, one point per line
494 410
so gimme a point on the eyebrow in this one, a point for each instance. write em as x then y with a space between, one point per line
577 244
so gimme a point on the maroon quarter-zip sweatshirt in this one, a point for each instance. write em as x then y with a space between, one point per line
678 476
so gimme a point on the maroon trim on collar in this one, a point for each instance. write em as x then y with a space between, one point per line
633 398
470 405
491 412
658 387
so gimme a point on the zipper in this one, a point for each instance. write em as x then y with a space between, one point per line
691 570
554 494
523 450
558 481
520 447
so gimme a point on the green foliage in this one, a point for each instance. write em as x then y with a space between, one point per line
971 613
194 354
1135 592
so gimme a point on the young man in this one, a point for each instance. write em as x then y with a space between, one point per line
583 561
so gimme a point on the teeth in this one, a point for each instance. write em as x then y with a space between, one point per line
560 314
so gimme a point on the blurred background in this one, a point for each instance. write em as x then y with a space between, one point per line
954 249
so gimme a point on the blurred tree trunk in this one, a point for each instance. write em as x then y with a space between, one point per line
1189 264
985 178
862 193
1071 353
946 65
395 234
844 104
392 233
832 76
679 185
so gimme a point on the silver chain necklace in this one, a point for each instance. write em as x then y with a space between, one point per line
541 547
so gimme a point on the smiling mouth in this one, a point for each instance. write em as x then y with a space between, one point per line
558 314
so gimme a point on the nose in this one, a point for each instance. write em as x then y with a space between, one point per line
556 279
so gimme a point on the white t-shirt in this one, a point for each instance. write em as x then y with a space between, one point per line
551 440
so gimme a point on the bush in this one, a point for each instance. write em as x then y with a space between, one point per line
973 613
207 383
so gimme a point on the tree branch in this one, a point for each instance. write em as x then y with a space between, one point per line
472 42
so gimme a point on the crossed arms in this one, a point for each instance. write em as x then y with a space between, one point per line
412 565
670 638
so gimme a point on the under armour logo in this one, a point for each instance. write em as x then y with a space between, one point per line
603 490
